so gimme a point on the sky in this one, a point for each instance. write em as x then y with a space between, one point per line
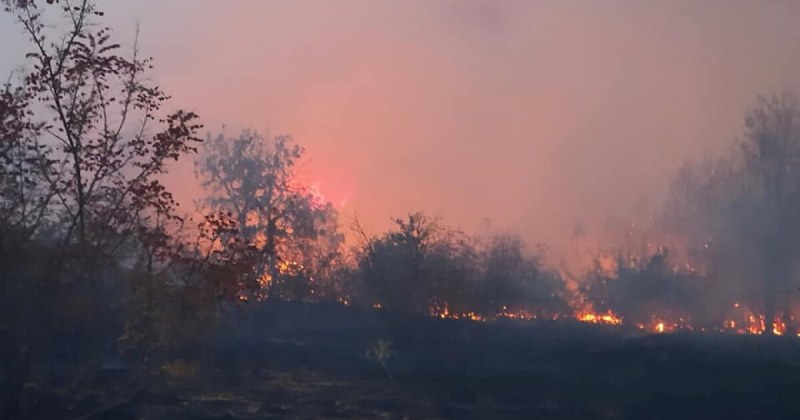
526 116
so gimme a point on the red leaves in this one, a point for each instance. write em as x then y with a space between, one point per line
98 108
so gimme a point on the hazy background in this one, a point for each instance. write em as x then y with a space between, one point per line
533 116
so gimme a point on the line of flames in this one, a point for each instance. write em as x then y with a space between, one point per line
754 324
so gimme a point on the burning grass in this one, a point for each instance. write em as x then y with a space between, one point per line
747 322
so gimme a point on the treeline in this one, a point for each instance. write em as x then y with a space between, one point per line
418 267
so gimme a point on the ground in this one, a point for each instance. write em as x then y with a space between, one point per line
310 361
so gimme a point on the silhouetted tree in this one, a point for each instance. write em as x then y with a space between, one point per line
647 288
512 279
421 266
84 147
292 229
398 268
24 202
742 212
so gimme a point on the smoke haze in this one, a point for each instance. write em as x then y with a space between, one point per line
535 116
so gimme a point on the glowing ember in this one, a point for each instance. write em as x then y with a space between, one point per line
444 312
521 314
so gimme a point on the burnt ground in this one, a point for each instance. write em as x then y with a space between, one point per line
308 361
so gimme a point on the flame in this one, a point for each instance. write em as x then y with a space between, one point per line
594 318
291 268
265 280
443 311
745 322
518 314
749 323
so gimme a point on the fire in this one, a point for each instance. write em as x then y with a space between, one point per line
291 268
265 280
594 318
519 314
743 321
443 311
778 327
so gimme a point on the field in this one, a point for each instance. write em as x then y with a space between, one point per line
311 361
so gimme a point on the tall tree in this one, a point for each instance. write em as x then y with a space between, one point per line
253 178
771 157
99 111
742 211
83 148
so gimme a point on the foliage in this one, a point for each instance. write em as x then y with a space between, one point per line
84 216
423 265
291 232
513 279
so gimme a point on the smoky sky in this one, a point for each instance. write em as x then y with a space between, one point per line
521 115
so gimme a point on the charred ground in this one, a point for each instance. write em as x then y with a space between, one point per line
311 361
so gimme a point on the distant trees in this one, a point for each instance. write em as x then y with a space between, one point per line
771 158
422 266
647 289
293 232
742 212
409 268
738 216
514 279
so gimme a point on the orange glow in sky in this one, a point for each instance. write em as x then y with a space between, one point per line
533 115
